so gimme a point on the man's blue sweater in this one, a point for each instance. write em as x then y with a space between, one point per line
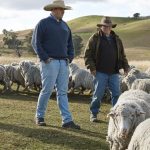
52 39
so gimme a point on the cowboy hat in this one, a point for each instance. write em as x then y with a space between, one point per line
106 21
57 4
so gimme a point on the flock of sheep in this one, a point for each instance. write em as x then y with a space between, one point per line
129 126
130 113
25 74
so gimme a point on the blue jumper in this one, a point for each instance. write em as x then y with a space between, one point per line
52 38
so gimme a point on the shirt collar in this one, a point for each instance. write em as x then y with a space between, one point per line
53 17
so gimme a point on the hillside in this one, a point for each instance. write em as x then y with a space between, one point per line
134 33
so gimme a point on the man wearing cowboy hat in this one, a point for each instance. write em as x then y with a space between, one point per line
105 56
52 42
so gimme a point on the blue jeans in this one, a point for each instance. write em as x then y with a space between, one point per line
102 81
55 73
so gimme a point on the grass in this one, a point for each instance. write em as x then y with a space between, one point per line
18 130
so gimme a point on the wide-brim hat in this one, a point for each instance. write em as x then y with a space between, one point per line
106 21
57 4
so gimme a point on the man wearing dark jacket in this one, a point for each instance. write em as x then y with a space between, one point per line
105 57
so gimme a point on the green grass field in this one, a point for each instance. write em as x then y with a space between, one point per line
17 126
18 130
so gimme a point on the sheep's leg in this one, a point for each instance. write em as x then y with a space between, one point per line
82 90
5 87
71 90
18 85
26 88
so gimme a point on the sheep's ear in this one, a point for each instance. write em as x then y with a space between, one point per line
111 114
142 112
138 112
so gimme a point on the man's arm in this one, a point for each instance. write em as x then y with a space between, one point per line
70 47
37 39
124 59
89 55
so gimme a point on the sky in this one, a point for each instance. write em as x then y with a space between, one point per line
25 14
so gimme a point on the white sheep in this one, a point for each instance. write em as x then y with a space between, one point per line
132 76
141 137
148 71
141 84
14 74
132 108
80 78
31 74
4 80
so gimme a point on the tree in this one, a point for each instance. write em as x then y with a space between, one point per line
136 15
10 39
28 42
77 41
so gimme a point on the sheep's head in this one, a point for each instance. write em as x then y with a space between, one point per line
73 67
24 67
128 80
125 117
71 83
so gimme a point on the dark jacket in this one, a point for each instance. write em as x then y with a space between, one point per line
92 49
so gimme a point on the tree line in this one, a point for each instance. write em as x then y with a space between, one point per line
11 41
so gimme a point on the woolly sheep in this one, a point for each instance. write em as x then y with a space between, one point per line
4 80
132 76
141 84
31 74
133 107
14 74
141 137
81 78
148 71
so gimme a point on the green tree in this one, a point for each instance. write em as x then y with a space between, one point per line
136 15
28 39
77 41
10 39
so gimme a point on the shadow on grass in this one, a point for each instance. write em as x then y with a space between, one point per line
33 96
22 96
84 132
57 137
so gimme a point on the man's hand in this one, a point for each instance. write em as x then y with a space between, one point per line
93 72
48 60
125 73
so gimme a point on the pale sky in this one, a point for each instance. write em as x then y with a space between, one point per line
25 14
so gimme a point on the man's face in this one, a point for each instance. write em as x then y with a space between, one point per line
58 12
106 29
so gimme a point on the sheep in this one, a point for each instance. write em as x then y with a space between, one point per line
141 84
141 137
31 74
4 80
123 85
132 76
148 71
132 108
14 74
80 78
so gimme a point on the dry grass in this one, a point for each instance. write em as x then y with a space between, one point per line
13 59
142 65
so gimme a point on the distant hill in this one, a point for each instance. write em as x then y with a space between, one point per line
135 33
